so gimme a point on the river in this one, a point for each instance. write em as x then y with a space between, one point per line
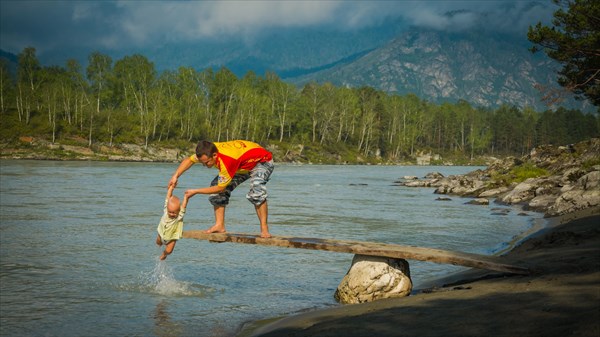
78 256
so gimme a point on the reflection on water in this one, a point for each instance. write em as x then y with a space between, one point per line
164 326
77 251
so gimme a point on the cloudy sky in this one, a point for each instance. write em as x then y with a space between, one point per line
111 25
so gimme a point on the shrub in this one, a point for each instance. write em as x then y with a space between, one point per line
520 173
526 171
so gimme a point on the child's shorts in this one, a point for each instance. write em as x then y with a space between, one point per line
165 242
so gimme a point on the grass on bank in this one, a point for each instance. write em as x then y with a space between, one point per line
520 173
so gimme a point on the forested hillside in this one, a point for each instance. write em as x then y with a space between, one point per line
129 101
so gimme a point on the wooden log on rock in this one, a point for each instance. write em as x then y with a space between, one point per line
367 248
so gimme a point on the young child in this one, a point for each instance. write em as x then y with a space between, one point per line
171 223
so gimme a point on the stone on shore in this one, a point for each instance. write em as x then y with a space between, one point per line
584 194
494 192
371 278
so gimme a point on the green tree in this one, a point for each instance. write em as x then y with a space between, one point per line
28 82
413 122
506 126
69 90
98 73
50 94
222 93
135 75
280 95
369 122
329 112
480 132
6 85
574 41
312 97
551 127
194 109
167 83
528 136
347 103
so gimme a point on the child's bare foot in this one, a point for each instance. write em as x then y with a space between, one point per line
265 235
163 256
215 229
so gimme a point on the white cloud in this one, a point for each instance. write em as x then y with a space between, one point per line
115 24
199 19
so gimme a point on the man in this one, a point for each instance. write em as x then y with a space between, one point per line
237 161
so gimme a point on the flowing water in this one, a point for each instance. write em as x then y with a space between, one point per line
78 256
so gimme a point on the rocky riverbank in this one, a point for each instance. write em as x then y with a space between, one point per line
555 180
41 149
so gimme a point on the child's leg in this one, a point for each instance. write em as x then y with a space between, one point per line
168 249
158 240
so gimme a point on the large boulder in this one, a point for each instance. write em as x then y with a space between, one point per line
522 192
581 195
532 188
371 278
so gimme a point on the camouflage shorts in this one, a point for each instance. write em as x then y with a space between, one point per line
259 176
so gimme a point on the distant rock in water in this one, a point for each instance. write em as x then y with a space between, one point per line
478 201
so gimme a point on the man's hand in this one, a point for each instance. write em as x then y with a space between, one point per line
173 181
189 193
184 166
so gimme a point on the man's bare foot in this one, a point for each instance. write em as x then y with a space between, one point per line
215 229
265 235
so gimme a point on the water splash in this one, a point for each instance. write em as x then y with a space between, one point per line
161 280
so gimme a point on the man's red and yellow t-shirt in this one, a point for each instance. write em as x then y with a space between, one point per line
237 156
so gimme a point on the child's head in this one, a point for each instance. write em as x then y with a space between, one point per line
173 207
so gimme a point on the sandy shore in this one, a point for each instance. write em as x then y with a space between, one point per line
561 297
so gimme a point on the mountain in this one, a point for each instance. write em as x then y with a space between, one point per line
286 51
482 68
11 61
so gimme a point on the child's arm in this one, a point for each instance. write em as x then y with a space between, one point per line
170 191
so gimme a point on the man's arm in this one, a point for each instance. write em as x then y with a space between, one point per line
206 190
184 166
185 201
